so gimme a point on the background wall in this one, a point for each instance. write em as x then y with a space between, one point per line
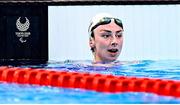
151 31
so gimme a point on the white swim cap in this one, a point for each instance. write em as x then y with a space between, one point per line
98 18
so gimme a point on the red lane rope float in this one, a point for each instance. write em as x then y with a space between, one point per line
97 82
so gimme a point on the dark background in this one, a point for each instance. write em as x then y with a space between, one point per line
35 50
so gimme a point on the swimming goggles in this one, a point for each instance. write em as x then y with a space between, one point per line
107 20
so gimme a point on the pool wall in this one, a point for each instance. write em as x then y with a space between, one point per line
150 31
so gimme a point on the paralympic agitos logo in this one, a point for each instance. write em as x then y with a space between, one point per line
22 27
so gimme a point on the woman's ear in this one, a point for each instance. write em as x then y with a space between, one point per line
91 42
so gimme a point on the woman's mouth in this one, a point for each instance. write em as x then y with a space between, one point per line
113 50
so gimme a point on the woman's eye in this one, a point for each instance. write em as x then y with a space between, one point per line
105 35
119 35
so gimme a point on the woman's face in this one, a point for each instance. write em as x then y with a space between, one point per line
107 42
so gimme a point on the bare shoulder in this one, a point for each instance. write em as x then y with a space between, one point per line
115 63
130 62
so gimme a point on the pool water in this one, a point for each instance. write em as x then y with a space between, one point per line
163 69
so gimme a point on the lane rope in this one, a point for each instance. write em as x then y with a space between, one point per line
96 82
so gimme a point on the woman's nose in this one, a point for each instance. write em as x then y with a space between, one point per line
114 41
